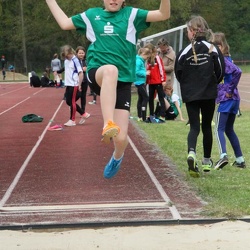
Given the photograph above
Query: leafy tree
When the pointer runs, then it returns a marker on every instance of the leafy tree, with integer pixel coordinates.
(43, 36)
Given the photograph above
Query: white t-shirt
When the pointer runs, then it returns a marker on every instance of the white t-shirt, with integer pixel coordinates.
(72, 70)
(175, 98)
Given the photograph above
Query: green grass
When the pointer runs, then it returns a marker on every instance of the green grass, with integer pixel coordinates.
(227, 191)
(244, 68)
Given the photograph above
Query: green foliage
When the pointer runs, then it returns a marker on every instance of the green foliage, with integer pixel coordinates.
(44, 37)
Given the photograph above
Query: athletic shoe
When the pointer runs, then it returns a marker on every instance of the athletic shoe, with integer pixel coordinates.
(93, 102)
(152, 119)
(207, 167)
(86, 115)
(112, 167)
(70, 123)
(192, 166)
(155, 119)
(110, 130)
(82, 120)
(239, 165)
(221, 163)
(139, 119)
(55, 127)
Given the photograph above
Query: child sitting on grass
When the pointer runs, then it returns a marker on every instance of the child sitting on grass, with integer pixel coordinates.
(172, 103)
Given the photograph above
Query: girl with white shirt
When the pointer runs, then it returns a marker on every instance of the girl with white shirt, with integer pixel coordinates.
(73, 78)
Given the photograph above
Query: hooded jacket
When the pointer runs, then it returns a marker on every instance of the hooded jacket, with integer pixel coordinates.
(230, 82)
(140, 71)
(198, 81)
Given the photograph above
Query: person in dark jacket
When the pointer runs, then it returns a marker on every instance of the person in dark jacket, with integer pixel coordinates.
(80, 54)
(45, 81)
(35, 80)
(199, 68)
(3, 62)
(228, 100)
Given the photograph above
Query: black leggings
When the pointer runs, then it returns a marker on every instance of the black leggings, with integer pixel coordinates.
(160, 92)
(206, 109)
(83, 95)
(72, 94)
(142, 101)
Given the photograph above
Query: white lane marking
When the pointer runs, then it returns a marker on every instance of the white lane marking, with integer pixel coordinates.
(244, 100)
(20, 102)
(13, 91)
(162, 192)
(24, 165)
(166, 204)
(14, 106)
(39, 91)
(132, 205)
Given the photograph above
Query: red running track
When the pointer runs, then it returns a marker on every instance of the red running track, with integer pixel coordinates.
(56, 177)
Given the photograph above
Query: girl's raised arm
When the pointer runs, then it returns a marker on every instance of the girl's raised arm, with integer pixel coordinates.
(62, 19)
(160, 15)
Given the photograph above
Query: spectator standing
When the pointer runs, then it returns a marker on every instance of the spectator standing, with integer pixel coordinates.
(4, 73)
(73, 79)
(3, 62)
(56, 66)
(113, 31)
(80, 53)
(93, 102)
(199, 68)
(156, 78)
(140, 82)
(167, 54)
(228, 100)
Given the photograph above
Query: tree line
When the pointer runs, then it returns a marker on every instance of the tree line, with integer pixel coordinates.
(30, 23)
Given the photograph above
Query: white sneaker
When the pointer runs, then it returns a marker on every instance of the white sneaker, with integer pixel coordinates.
(70, 123)
(82, 120)
(93, 102)
(86, 115)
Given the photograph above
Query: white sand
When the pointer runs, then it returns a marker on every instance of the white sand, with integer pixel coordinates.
(224, 236)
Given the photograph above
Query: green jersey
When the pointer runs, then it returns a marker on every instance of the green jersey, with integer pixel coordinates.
(113, 37)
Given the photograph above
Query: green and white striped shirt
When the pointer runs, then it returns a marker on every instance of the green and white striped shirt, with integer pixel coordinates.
(113, 37)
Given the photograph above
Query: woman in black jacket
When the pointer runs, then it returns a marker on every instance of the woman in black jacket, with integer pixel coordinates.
(199, 68)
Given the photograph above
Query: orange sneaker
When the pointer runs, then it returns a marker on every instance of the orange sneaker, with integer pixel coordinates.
(109, 131)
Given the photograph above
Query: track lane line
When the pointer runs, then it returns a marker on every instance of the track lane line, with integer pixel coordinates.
(244, 100)
(134, 205)
(13, 91)
(24, 165)
(20, 102)
(162, 192)
(15, 105)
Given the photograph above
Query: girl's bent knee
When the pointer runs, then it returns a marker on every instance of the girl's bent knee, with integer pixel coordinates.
(110, 70)
(121, 140)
